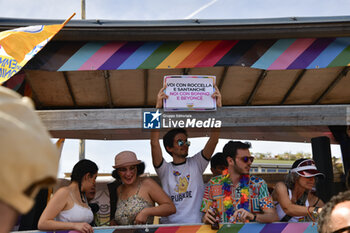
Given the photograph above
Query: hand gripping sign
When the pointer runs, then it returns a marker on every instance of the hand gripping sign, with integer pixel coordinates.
(189, 93)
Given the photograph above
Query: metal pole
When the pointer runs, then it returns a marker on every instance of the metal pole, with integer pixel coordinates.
(82, 141)
(82, 149)
(83, 9)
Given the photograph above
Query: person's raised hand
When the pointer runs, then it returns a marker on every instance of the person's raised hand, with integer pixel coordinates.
(160, 97)
(217, 95)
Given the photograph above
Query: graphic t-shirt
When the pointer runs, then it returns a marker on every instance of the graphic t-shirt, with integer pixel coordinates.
(184, 185)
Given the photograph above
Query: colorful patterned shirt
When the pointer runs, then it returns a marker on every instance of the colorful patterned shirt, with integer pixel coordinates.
(259, 200)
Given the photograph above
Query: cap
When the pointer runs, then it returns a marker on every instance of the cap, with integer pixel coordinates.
(306, 168)
(29, 160)
(125, 158)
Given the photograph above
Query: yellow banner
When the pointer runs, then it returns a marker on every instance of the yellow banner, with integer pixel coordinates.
(19, 45)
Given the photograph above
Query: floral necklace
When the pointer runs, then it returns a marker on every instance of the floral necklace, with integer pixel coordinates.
(244, 191)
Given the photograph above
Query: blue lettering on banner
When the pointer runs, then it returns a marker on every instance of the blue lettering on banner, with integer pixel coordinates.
(9, 63)
(4, 61)
(7, 73)
(35, 50)
(30, 29)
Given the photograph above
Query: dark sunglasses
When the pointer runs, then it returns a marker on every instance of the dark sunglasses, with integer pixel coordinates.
(247, 158)
(182, 142)
(342, 229)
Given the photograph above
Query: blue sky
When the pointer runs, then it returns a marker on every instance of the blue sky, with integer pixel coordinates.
(102, 152)
(172, 9)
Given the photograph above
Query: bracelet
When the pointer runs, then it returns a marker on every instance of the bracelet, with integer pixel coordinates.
(309, 213)
(254, 219)
(315, 212)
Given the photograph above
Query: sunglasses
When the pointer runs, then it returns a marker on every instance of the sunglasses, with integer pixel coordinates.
(182, 142)
(246, 159)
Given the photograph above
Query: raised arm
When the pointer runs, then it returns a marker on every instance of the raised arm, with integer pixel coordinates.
(215, 132)
(58, 202)
(157, 156)
(165, 206)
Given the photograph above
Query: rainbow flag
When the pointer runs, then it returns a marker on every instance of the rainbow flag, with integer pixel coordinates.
(19, 45)
(278, 227)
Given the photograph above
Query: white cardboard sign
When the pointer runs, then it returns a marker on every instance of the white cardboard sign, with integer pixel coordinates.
(189, 93)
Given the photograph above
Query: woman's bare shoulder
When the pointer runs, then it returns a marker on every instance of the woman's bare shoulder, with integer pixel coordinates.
(280, 185)
(64, 191)
(147, 181)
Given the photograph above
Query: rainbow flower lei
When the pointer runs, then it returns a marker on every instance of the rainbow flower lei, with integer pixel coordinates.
(244, 190)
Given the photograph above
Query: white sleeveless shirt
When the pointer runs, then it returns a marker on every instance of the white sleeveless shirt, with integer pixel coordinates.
(77, 213)
(281, 213)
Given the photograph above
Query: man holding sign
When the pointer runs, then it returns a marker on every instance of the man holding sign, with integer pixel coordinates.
(182, 179)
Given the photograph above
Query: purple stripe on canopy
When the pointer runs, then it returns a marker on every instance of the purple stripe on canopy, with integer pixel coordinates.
(311, 53)
(274, 228)
(120, 56)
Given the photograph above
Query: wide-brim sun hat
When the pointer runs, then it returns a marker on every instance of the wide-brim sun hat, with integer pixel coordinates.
(306, 168)
(125, 158)
(29, 160)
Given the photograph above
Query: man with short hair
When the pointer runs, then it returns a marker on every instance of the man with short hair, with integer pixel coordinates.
(239, 196)
(182, 179)
(334, 216)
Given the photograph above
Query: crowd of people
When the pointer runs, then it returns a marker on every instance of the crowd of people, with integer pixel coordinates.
(183, 197)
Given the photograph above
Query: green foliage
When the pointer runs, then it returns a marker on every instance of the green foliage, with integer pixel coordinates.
(284, 156)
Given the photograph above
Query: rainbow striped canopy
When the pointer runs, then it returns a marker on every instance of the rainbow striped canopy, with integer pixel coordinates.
(282, 54)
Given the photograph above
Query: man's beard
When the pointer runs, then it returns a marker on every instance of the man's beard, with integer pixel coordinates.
(239, 170)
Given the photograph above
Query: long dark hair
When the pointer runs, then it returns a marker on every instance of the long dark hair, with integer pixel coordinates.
(140, 170)
(80, 169)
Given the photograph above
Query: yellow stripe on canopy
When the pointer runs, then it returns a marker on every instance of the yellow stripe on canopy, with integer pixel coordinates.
(179, 54)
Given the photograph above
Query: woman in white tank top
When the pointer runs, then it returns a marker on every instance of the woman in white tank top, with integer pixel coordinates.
(68, 209)
(294, 200)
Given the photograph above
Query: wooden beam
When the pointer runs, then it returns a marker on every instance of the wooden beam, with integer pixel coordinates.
(256, 87)
(340, 76)
(69, 87)
(223, 77)
(106, 75)
(297, 80)
(35, 97)
(145, 78)
(109, 119)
